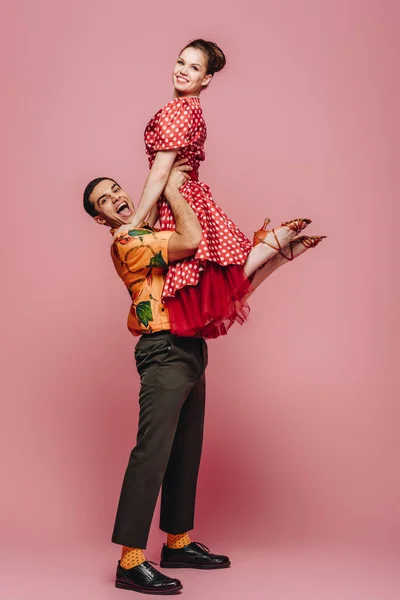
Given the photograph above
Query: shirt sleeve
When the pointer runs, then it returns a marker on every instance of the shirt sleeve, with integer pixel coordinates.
(136, 250)
(176, 126)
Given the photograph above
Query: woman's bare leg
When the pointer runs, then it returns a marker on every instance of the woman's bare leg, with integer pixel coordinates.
(275, 240)
(278, 260)
(265, 271)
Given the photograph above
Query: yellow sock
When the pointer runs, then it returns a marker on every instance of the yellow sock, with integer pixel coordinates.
(177, 541)
(131, 557)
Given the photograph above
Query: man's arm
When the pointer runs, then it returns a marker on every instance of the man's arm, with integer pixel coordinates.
(187, 235)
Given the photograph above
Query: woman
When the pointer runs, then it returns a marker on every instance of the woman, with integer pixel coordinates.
(207, 293)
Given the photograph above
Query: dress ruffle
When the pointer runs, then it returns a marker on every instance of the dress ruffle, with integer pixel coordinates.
(210, 308)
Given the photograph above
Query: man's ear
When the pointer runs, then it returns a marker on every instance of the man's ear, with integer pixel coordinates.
(100, 220)
(206, 80)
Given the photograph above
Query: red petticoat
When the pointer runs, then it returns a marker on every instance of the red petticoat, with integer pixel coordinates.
(209, 308)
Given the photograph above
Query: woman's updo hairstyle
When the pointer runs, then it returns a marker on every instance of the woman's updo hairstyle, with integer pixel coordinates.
(215, 57)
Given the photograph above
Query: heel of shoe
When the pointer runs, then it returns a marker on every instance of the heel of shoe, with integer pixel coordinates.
(260, 235)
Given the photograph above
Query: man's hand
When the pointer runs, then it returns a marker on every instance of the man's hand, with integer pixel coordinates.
(178, 176)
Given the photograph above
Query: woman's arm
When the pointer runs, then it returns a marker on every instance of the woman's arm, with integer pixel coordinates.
(155, 184)
(153, 216)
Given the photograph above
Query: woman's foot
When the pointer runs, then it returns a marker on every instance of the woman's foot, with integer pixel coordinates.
(297, 247)
(280, 237)
(268, 243)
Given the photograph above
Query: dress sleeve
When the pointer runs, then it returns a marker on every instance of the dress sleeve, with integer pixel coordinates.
(175, 128)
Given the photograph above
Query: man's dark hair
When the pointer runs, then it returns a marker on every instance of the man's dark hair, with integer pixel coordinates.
(87, 203)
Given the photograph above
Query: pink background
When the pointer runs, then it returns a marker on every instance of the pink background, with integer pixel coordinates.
(302, 433)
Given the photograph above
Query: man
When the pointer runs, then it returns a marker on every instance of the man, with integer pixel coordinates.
(172, 392)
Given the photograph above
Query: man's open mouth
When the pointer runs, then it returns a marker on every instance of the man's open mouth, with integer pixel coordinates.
(123, 209)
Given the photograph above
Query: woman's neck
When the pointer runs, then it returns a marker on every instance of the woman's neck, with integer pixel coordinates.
(183, 95)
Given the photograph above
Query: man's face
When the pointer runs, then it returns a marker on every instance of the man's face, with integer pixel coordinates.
(114, 207)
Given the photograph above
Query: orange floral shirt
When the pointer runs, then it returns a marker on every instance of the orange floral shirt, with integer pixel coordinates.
(140, 257)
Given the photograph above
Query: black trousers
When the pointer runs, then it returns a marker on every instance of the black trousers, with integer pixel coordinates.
(169, 438)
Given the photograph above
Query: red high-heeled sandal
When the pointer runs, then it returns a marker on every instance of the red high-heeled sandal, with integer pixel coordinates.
(308, 241)
(295, 225)
(261, 233)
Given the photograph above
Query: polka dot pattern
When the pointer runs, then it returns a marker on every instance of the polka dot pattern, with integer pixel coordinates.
(180, 125)
(178, 541)
(131, 557)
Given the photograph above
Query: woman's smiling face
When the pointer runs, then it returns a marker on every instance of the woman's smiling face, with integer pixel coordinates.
(190, 72)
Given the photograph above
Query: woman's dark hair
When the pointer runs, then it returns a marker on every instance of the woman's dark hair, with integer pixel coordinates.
(215, 57)
(87, 204)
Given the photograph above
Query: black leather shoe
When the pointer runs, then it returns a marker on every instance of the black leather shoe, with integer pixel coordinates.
(192, 556)
(146, 579)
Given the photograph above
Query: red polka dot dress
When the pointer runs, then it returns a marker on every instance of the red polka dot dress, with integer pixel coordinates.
(204, 294)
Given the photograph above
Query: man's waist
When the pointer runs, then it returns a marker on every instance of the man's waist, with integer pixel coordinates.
(166, 333)
(157, 333)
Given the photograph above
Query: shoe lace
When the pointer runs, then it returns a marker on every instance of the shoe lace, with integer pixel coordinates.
(202, 546)
(149, 566)
(152, 562)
